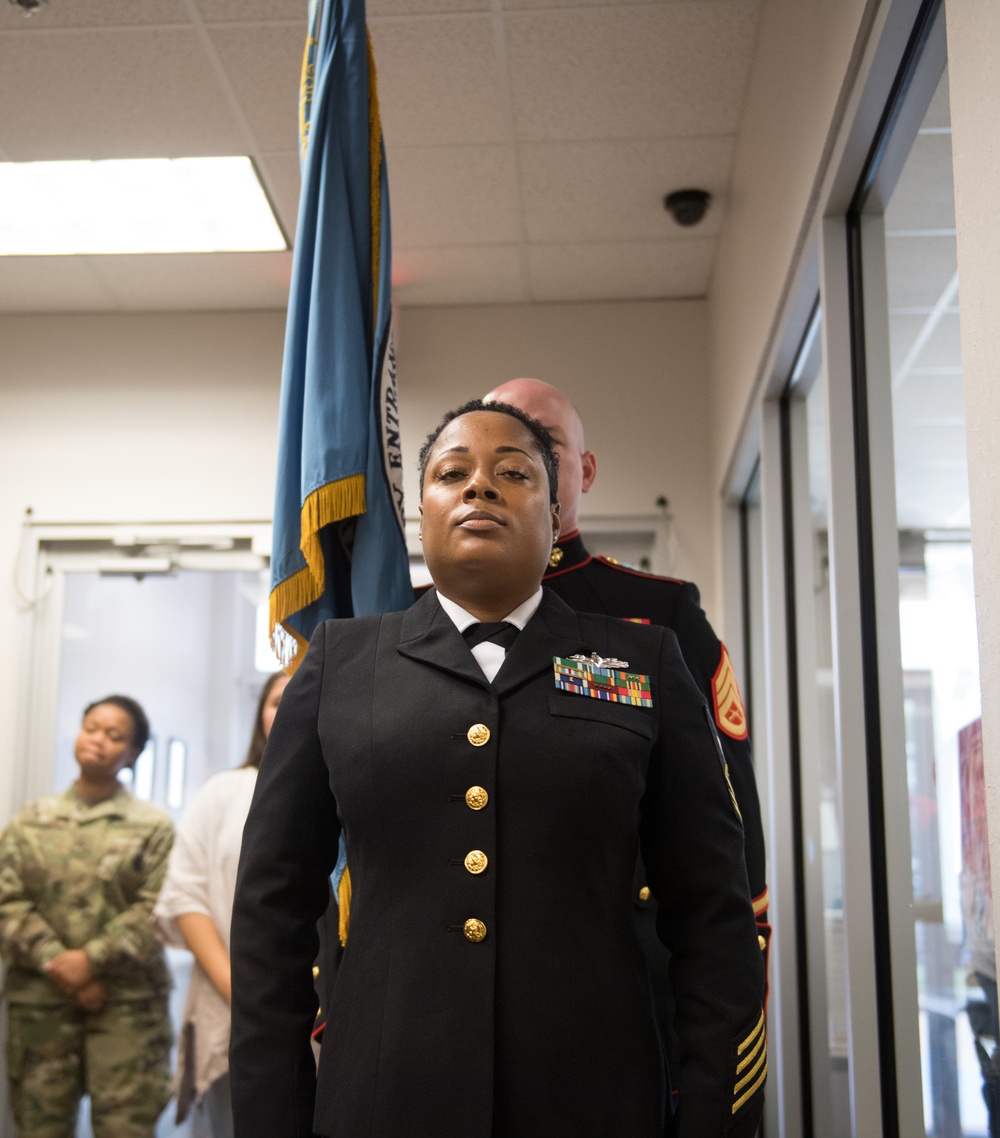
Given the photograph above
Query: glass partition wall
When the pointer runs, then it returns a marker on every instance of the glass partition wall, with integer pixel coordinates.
(910, 281)
(873, 622)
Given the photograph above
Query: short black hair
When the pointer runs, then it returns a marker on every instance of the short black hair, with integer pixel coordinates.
(133, 709)
(546, 447)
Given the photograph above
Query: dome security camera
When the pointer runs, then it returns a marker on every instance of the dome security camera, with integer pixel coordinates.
(687, 207)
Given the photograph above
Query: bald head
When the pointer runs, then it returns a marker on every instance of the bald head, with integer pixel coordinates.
(577, 465)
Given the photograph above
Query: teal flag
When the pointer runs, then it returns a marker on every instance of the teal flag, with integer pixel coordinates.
(338, 547)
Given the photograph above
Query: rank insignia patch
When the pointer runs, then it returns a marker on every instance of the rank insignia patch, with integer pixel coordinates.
(602, 681)
(729, 713)
(751, 1065)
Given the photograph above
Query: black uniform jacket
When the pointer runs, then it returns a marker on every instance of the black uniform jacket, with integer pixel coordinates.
(597, 584)
(514, 1001)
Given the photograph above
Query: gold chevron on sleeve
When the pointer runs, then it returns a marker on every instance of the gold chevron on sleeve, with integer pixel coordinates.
(751, 1070)
(751, 1091)
(758, 1027)
(760, 903)
(751, 1055)
(729, 711)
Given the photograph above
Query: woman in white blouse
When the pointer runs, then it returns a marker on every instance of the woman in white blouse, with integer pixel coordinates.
(194, 910)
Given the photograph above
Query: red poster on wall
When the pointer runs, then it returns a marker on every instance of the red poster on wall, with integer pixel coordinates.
(977, 897)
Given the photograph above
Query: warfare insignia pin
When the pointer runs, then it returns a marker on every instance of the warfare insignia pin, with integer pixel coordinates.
(599, 678)
(599, 661)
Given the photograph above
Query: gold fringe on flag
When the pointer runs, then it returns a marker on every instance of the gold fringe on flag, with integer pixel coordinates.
(375, 176)
(307, 84)
(331, 503)
(344, 903)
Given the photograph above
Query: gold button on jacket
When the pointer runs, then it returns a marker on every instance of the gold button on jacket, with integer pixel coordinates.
(476, 861)
(476, 798)
(478, 734)
(474, 930)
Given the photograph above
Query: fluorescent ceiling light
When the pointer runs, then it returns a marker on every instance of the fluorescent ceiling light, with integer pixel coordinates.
(142, 205)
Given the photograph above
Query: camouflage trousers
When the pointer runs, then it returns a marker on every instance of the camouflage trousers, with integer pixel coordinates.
(120, 1056)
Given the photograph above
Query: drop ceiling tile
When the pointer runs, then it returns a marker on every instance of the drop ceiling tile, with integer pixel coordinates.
(264, 66)
(662, 70)
(439, 82)
(452, 195)
(95, 13)
(537, 5)
(280, 173)
(621, 270)
(191, 281)
(424, 7)
(112, 94)
(254, 11)
(295, 11)
(613, 191)
(51, 284)
(151, 88)
(485, 274)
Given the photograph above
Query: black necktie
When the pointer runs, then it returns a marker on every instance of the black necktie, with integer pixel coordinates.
(499, 632)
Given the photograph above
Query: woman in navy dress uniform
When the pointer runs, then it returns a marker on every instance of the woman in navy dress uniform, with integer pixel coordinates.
(493, 797)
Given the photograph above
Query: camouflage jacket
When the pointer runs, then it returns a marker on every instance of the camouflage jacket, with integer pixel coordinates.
(79, 876)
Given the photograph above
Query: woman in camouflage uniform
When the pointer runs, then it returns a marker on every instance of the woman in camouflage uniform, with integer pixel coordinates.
(87, 983)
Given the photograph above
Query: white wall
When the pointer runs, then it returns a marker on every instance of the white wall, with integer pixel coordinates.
(172, 417)
(805, 52)
(151, 417)
(636, 372)
(129, 418)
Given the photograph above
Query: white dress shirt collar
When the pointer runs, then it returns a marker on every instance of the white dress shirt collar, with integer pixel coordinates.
(490, 656)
